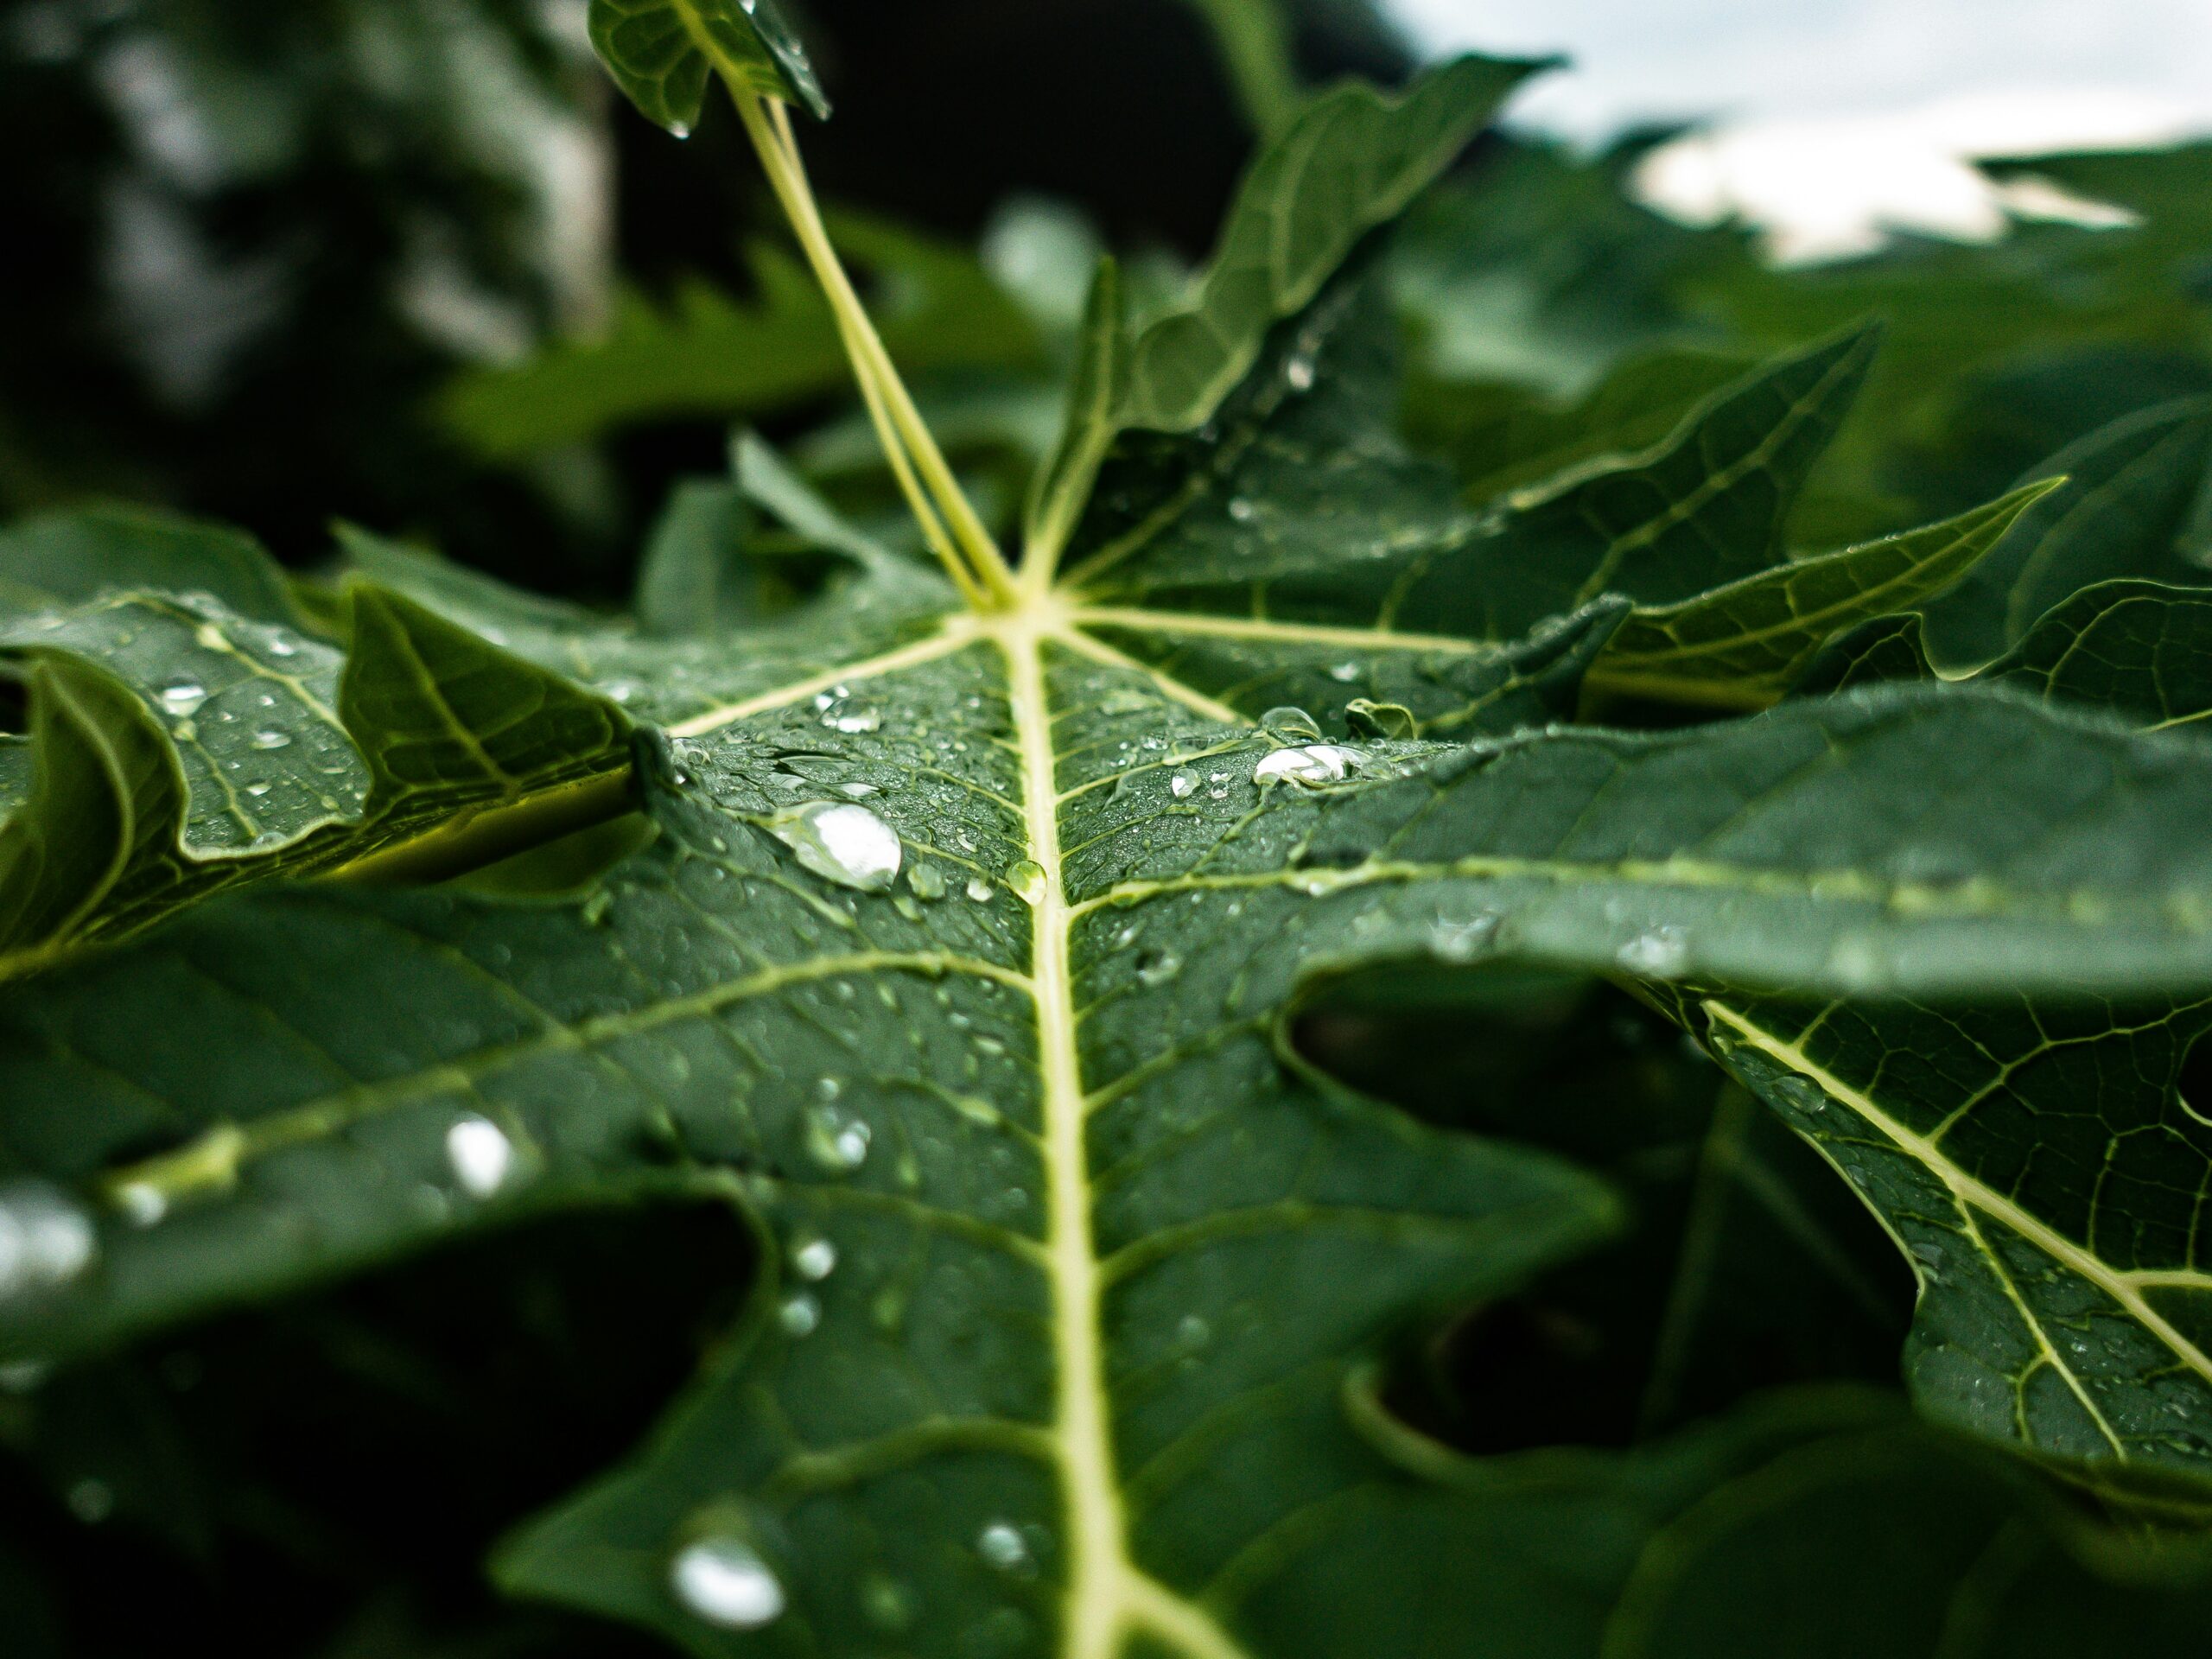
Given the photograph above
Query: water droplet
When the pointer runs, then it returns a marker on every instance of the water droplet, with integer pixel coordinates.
(281, 646)
(271, 738)
(46, 1240)
(843, 843)
(1158, 967)
(1193, 1331)
(837, 1142)
(481, 1155)
(1291, 721)
(1003, 1547)
(185, 731)
(726, 1583)
(142, 1202)
(1461, 941)
(1026, 880)
(980, 890)
(1317, 763)
(1181, 785)
(1240, 510)
(1344, 673)
(1658, 951)
(858, 791)
(814, 1258)
(1299, 372)
(927, 881)
(184, 697)
(799, 1315)
(854, 721)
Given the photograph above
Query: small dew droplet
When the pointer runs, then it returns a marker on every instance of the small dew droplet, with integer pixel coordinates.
(46, 1240)
(799, 1315)
(726, 1583)
(815, 1259)
(184, 697)
(481, 1155)
(1003, 1547)
(1659, 952)
(980, 891)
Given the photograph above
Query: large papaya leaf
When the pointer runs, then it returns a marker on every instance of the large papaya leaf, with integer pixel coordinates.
(964, 963)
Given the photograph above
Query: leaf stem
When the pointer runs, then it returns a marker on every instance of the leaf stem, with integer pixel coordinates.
(949, 522)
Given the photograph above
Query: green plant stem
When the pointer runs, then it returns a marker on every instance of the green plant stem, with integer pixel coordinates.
(1254, 47)
(956, 532)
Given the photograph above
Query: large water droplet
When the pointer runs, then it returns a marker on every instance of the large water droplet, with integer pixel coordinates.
(184, 697)
(1291, 721)
(843, 843)
(927, 881)
(1317, 763)
(1027, 881)
(979, 890)
(1181, 785)
(271, 738)
(46, 1240)
(481, 1155)
(725, 1582)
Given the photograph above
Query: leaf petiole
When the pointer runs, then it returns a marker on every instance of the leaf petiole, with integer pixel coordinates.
(948, 522)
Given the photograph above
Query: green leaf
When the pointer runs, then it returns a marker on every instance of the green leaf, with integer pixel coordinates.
(60, 559)
(181, 749)
(1742, 645)
(967, 957)
(662, 51)
(2131, 492)
(1352, 161)
(703, 351)
(2040, 1175)
(2140, 649)
(1306, 508)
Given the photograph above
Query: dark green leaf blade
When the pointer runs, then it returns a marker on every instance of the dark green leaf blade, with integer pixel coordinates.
(1742, 645)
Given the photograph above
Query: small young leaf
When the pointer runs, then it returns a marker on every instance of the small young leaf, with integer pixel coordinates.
(661, 53)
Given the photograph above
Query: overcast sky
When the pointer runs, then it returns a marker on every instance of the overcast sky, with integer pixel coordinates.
(1832, 118)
